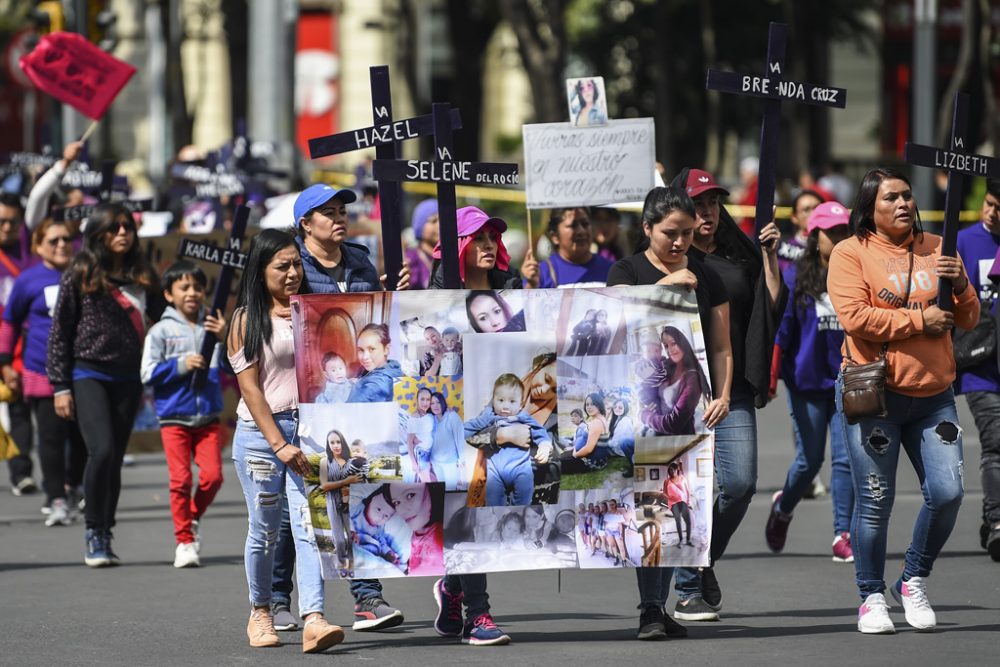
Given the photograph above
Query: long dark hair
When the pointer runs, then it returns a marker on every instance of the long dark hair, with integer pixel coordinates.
(92, 266)
(863, 214)
(690, 360)
(252, 319)
(661, 202)
(615, 418)
(810, 274)
(343, 445)
(597, 400)
(476, 293)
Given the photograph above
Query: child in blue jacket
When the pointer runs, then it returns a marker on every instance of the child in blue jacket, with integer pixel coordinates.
(189, 416)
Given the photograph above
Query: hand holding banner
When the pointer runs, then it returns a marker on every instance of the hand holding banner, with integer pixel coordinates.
(76, 72)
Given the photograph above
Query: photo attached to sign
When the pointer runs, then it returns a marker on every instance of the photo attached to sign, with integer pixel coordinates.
(596, 429)
(673, 509)
(432, 431)
(345, 351)
(432, 329)
(510, 420)
(591, 323)
(397, 529)
(588, 105)
(501, 539)
(606, 533)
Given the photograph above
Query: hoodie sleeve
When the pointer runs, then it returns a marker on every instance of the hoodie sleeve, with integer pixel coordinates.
(156, 369)
(41, 192)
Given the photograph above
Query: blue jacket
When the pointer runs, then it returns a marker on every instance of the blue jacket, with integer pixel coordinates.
(359, 272)
(167, 343)
(376, 386)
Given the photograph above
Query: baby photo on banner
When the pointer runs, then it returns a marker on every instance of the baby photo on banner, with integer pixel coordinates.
(477, 431)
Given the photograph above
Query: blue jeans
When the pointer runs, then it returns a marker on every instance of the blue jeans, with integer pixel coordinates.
(266, 488)
(811, 417)
(736, 477)
(473, 586)
(927, 429)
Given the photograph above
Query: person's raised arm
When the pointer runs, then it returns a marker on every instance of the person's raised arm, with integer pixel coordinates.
(41, 192)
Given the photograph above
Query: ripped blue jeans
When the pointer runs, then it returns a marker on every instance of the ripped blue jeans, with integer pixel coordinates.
(927, 430)
(266, 486)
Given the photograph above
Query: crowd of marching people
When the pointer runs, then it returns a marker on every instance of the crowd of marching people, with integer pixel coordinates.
(87, 322)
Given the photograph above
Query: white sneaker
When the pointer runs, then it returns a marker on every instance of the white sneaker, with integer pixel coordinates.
(186, 556)
(873, 616)
(912, 595)
(58, 514)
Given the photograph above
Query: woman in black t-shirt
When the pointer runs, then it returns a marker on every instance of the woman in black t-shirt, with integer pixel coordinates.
(668, 221)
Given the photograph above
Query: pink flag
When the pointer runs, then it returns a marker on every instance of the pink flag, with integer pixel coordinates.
(74, 71)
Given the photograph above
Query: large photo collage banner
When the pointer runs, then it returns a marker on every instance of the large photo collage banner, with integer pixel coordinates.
(462, 431)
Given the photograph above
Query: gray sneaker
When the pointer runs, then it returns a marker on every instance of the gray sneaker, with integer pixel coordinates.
(374, 614)
(283, 619)
(694, 609)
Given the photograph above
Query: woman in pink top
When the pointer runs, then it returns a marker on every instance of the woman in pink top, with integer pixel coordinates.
(423, 513)
(269, 463)
(679, 501)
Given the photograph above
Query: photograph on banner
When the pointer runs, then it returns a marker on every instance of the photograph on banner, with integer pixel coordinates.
(501, 539)
(674, 508)
(432, 433)
(670, 374)
(397, 529)
(588, 105)
(567, 166)
(506, 394)
(432, 324)
(596, 431)
(344, 352)
(590, 323)
(606, 534)
(495, 311)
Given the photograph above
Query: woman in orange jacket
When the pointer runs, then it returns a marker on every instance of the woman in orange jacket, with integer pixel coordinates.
(883, 283)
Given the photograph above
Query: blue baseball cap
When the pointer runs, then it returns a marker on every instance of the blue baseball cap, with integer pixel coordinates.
(316, 195)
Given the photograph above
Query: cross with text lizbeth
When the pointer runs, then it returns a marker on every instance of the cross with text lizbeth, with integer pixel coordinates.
(959, 164)
(231, 260)
(385, 136)
(446, 172)
(773, 88)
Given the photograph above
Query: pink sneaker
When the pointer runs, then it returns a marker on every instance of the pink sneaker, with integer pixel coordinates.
(776, 530)
(842, 552)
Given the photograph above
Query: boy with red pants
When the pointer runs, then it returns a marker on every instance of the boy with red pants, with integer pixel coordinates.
(189, 416)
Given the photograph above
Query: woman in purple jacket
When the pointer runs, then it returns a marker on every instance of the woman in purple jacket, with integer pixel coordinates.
(674, 387)
(809, 342)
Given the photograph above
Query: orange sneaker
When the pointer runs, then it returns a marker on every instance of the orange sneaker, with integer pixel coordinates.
(260, 629)
(319, 635)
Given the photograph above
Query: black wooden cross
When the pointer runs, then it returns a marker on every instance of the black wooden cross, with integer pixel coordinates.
(108, 190)
(230, 259)
(385, 135)
(773, 88)
(446, 172)
(959, 164)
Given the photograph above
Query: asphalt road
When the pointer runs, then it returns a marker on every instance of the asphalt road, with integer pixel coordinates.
(797, 608)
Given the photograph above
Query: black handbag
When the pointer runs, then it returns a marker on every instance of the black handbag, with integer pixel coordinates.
(863, 393)
(978, 346)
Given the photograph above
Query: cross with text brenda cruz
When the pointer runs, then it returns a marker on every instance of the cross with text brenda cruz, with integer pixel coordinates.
(446, 172)
(385, 136)
(773, 89)
(959, 164)
(231, 260)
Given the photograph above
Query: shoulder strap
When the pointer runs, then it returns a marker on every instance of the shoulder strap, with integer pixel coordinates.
(906, 305)
(13, 268)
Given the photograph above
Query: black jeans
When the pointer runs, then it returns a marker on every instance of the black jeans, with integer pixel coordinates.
(682, 511)
(23, 436)
(105, 413)
(477, 601)
(985, 407)
(61, 451)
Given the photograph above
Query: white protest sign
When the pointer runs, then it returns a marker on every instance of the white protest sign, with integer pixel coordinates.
(588, 166)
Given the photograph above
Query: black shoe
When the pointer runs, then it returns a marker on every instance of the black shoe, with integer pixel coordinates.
(984, 533)
(993, 542)
(674, 629)
(710, 591)
(651, 623)
(695, 609)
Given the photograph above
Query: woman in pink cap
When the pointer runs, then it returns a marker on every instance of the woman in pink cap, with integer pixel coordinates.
(483, 260)
(808, 343)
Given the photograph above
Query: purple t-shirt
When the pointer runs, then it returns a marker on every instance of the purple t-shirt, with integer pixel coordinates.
(29, 309)
(593, 273)
(978, 249)
(789, 251)
(420, 268)
(21, 257)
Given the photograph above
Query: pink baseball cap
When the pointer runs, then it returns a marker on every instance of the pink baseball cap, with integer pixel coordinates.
(828, 215)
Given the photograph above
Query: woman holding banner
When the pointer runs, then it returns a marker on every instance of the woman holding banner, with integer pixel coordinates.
(911, 333)
(668, 223)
